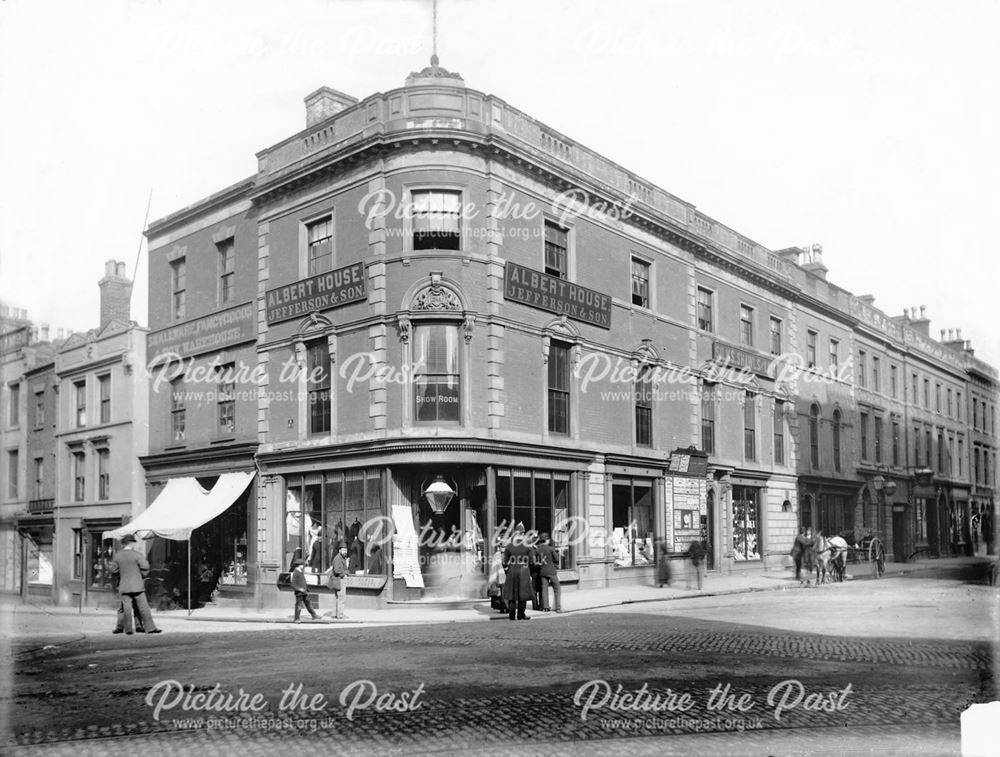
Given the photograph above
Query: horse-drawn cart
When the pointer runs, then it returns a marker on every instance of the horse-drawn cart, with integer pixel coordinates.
(869, 549)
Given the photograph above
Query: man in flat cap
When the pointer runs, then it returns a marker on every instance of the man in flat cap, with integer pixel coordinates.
(301, 588)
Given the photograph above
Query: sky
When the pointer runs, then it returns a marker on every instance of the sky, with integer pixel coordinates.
(868, 126)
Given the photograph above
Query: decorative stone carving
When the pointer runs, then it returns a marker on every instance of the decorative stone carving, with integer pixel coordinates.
(404, 328)
(436, 297)
(468, 325)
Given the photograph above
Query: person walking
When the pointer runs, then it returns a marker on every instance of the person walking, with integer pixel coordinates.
(131, 569)
(547, 558)
(335, 580)
(301, 588)
(696, 551)
(517, 587)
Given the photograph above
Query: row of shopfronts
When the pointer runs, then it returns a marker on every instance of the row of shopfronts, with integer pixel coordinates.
(611, 519)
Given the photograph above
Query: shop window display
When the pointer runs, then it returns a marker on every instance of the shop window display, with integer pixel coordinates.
(746, 517)
(540, 500)
(632, 521)
(101, 554)
(325, 510)
(39, 567)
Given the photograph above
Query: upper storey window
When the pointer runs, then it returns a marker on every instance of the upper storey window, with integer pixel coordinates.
(178, 288)
(437, 219)
(319, 242)
(556, 247)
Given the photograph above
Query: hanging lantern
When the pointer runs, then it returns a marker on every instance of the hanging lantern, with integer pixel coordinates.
(439, 495)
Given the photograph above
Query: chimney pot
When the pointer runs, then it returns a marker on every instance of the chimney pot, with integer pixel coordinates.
(326, 102)
(958, 334)
(942, 335)
(923, 309)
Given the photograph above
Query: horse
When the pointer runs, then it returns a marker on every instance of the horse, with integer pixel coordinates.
(830, 556)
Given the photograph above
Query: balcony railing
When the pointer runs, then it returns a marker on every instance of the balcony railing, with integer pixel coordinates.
(40, 505)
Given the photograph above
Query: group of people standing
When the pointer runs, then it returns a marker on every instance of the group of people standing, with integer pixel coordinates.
(524, 570)
(804, 550)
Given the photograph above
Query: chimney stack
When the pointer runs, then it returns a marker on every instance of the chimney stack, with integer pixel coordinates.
(116, 292)
(922, 324)
(326, 102)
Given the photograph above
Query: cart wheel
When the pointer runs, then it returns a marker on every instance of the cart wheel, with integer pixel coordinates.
(876, 558)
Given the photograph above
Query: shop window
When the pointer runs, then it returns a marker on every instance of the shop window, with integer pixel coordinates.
(632, 521)
(318, 381)
(644, 407)
(323, 511)
(558, 388)
(746, 519)
(437, 395)
(39, 549)
(437, 220)
(556, 250)
(101, 553)
(540, 500)
(77, 554)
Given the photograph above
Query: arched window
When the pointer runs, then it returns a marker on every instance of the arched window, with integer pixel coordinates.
(836, 440)
(814, 435)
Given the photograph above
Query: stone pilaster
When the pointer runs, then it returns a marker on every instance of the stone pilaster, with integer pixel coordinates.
(263, 276)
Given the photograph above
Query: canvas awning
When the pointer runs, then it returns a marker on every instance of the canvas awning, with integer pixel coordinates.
(183, 506)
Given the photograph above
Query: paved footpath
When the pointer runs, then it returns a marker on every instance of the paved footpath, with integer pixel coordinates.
(24, 622)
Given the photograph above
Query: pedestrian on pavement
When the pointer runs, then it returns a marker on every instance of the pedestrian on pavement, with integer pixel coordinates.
(120, 615)
(547, 558)
(131, 568)
(497, 579)
(799, 547)
(517, 559)
(335, 580)
(696, 551)
(809, 554)
(663, 574)
(301, 590)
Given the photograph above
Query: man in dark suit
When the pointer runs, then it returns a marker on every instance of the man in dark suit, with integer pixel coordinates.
(548, 572)
(131, 568)
(517, 560)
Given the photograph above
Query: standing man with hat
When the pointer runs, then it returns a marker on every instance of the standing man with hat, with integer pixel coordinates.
(131, 568)
(548, 572)
(335, 581)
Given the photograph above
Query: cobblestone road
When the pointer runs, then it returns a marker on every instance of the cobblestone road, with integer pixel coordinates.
(494, 686)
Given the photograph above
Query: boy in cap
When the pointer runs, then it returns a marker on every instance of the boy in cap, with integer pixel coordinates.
(301, 590)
